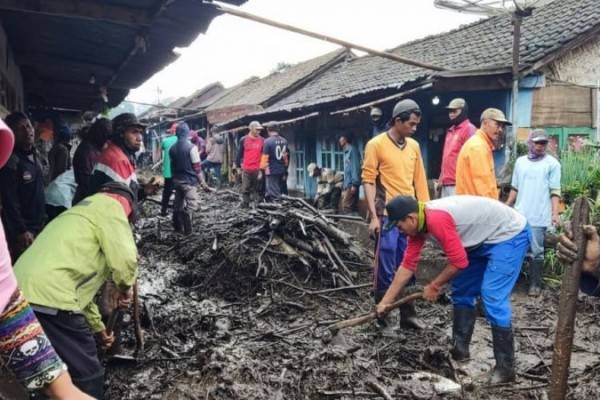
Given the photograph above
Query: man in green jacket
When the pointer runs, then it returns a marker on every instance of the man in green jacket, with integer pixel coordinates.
(61, 277)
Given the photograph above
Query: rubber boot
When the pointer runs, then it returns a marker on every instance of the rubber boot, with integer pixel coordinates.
(387, 325)
(536, 269)
(462, 331)
(187, 222)
(504, 353)
(177, 221)
(408, 317)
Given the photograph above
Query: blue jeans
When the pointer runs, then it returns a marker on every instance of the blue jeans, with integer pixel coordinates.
(389, 252)
(492, 273)
(536, 247)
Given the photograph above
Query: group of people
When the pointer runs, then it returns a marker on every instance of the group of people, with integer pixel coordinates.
(260, 158)
(49, 322)
(486, 240)
(50, 292)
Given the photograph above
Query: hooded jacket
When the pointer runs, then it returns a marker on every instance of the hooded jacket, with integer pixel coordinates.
(96, 243)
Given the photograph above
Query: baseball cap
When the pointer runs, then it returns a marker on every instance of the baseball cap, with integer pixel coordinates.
(456, 104)
(539, 135)
(398, 208)
(405, 106)
(376, 112)
(496, 115)
(255, 125)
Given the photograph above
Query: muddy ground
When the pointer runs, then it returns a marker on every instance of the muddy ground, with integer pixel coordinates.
(215, 331)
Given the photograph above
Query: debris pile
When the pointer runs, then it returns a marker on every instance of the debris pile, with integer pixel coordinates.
(237, 310)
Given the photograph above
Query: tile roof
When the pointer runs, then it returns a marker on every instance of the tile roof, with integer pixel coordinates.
(256, 91)
(483, 44)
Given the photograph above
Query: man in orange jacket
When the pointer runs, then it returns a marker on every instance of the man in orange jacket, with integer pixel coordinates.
(475, 173)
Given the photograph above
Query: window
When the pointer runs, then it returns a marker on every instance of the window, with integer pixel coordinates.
(332, 156)
(300, 168)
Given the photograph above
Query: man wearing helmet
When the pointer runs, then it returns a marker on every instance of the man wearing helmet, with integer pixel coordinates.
(393, 166)
(117, 160)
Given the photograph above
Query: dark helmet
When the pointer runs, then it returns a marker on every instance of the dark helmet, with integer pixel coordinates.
(121, 122)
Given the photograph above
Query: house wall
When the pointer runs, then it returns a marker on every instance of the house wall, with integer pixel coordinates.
(580, 66)
(11, 82)
(568, 106)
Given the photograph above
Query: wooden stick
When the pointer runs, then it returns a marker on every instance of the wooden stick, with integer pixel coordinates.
(320, 36)
(139, 333)
(363, 319)
(377, 388)
(563, 342)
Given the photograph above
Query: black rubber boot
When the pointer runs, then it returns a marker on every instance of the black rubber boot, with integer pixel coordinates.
(187, 222)
(177, 221)
(536, 271)
(408, 317)
(462, 331)
(504, 353)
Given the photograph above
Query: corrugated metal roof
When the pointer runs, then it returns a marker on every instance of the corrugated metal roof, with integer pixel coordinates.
(58, 54)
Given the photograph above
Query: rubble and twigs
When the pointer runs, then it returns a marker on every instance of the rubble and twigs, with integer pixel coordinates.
(215, 329)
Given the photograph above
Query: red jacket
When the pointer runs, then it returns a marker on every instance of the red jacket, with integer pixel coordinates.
(456, 136)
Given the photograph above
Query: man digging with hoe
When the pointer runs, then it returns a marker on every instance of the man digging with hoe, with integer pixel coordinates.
(485, 242)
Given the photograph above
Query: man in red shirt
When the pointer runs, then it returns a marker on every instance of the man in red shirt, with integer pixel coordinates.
(460, 130)
(248, 157)
(486, 242)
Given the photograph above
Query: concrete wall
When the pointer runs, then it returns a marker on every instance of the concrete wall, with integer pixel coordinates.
(11, 83)
(579, 66)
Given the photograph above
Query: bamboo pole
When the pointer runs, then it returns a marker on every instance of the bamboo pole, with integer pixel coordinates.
(563, 342)
(320, 36)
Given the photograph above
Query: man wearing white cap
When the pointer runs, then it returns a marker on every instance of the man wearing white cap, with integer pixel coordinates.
(378, 123)
(248, 158)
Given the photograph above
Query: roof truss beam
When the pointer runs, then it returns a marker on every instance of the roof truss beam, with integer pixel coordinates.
(88, 9)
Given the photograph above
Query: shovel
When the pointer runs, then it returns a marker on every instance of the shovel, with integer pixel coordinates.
(116, 318)
(333, 330)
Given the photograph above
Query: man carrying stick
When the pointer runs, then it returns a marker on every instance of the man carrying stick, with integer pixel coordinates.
(485, 242)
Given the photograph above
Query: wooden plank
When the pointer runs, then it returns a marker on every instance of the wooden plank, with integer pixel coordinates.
(562, 105)
(567, 305)
(90, 9)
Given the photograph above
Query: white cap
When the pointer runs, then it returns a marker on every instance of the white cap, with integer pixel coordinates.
(255, 125)
(375, 111)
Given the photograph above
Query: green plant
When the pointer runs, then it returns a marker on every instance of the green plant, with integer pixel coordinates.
(580, 173)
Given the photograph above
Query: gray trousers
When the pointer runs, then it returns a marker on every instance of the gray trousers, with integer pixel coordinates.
(448, 191)
(186, 197)
(250, 186)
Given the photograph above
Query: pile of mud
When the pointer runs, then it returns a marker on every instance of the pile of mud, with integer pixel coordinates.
(214, 330)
